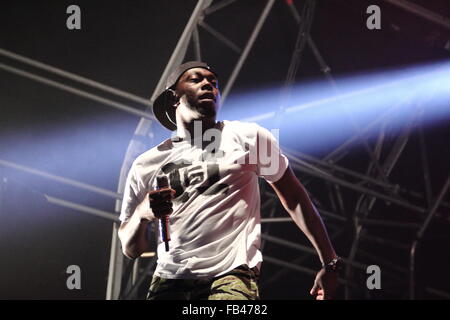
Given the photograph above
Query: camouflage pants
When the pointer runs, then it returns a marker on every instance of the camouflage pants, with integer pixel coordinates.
(238, 284)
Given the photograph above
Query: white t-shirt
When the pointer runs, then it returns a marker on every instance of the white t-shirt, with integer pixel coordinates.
(215, 224)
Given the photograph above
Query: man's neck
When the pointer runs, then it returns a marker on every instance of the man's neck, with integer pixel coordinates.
(194, 129)
(194, 133)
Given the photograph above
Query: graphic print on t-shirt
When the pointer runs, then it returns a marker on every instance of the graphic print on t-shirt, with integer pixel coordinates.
(186, 178)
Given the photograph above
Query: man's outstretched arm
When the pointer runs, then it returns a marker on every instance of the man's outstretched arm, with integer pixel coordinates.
(297, 203)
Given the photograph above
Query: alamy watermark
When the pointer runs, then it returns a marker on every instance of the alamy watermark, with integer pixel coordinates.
(73, 22)
(374, 20)
(263, 150)
(374, 280)
(74, 280)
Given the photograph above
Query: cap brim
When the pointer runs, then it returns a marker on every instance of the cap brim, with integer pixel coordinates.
(164, 112)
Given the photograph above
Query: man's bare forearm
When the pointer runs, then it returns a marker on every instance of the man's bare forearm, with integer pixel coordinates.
(297, 203)
(308, 220)
(133, 233)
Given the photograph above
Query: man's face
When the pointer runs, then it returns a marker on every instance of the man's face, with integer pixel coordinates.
(199, 89)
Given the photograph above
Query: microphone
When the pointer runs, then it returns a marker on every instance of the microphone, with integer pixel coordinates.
(163, 182)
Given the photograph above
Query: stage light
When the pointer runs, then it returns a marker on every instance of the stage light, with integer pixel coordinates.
(317, 117)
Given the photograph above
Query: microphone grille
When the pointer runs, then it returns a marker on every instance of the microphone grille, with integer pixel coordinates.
(162, 182)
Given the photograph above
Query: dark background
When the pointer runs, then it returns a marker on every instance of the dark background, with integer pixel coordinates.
(126, 45)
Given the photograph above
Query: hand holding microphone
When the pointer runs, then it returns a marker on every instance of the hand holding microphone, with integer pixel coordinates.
(161, 204)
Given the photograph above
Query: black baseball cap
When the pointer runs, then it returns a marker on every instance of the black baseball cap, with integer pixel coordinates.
(163, 105)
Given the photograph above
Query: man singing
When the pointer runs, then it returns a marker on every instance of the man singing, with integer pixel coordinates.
(213, 201)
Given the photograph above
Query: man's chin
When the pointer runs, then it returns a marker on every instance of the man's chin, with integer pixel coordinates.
(207, 109)
(208, 114)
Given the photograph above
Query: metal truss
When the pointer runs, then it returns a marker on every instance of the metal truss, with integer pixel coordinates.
(348, 200)
(422, 12)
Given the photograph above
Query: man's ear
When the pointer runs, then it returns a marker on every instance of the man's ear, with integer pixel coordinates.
(174, 99)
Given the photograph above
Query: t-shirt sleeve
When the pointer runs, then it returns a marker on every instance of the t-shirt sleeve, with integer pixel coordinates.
(131, 195)
(271, 162)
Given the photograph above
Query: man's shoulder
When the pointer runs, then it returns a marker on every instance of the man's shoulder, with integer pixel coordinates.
(155, 154)
(241, 126)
